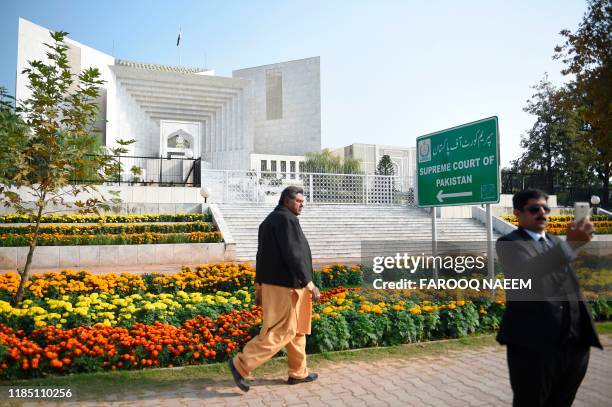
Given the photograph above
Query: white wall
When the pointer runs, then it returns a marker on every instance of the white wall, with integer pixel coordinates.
(137, 199)
(30, 46)
(299, 130)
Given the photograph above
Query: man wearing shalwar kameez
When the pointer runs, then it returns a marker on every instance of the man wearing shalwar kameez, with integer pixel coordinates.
(285, 290)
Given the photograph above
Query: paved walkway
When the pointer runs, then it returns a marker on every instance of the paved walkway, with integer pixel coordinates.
(474, 376)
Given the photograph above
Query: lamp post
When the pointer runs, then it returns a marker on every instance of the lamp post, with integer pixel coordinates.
(205, 192)
(595, 201)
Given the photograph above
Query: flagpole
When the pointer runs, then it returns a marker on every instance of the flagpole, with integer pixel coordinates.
(178, 44)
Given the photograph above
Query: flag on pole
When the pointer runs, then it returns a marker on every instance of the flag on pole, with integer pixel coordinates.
(178, 40)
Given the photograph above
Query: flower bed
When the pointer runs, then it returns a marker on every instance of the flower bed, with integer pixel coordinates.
(89, 349)
(179, 217)
(557, 225)
(15, 240)
(97, 229)
(75, 322)
(208, 278)
(110, 230)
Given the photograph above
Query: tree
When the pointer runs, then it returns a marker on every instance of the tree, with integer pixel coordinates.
(555, 147)
(588, 55)
(326, 162)
(383, 188)
(48, 140)
(333, 188)
(385, 166)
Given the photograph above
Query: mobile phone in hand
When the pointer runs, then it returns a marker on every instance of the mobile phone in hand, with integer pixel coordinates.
(581, 211)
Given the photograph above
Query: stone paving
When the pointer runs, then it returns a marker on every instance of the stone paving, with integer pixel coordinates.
(474, 376)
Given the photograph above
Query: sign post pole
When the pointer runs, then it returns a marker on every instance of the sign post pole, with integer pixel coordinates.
(489, 225)
(434, 240)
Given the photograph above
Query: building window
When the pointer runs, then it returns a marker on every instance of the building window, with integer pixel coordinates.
(301, 166)
(283, 166)
(273, 165)
(292, 168)
(264, 165)
(274, 94)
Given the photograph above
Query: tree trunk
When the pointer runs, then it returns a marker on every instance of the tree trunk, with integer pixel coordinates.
(25, 274)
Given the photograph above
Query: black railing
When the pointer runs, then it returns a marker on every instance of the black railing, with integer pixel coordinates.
(567, 195)
(160, 171)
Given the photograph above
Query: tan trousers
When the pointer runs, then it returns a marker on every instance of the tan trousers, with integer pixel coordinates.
(286, 320)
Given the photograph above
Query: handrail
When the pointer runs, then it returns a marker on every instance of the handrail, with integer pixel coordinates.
(602, 211)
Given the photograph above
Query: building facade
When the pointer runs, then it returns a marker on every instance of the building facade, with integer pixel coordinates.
(191, 112)
(403, 158)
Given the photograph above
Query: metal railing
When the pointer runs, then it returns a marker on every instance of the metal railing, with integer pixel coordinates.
(160, 171)
(554, 184)
(266, 186)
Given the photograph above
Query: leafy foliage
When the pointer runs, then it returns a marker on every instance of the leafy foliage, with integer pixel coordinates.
(557, 143)
(571, 136)
(587, 52)
(385, 166)
(326, 162)
(49, 139)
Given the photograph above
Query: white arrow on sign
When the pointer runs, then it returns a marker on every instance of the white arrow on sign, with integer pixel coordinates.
(440, 195)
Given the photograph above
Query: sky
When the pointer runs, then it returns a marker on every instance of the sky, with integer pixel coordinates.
(390, 70)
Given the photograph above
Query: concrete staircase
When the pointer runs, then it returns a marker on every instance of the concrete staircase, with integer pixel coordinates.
(336, 233)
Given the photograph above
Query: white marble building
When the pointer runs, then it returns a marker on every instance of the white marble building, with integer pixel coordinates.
(271, 110)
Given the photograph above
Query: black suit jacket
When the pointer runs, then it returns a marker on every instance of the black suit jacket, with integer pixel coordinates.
(538, 320)
(283, 253)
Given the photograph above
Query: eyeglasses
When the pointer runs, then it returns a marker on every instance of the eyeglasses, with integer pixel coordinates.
(536, 208)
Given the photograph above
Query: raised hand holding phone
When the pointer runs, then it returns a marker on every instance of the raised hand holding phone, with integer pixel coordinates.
(581, 231)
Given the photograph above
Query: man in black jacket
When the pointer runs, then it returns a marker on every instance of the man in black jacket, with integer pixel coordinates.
(548, 330)
(284, 288)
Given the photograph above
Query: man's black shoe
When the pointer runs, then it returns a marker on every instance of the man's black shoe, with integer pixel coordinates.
(238, 379)
(310, 378)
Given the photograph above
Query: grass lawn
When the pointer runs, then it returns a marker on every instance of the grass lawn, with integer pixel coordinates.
(89, 386)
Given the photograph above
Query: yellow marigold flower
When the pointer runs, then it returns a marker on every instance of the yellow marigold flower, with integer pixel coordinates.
(327, 310)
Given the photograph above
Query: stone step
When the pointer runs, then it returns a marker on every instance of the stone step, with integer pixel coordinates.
(357, 246)
(387, 223)
(348, 231)
(337, 231)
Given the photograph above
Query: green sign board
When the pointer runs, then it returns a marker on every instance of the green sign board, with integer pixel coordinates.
(459, 166)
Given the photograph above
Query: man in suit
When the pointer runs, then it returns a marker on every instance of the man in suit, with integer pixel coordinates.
(549, 330)
(284, 288)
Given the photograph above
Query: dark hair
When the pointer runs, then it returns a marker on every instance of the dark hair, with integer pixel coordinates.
(289, 193)
(519, 200)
